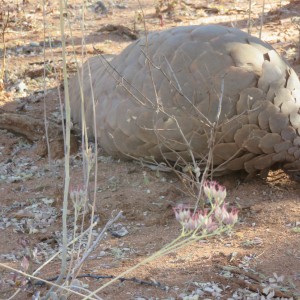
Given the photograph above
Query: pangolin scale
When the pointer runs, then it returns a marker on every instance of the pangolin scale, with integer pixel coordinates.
(165, 94)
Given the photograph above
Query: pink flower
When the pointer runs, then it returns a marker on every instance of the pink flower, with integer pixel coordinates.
(200, 220)
(214, 191)
(207, 187)
(182, 213)
(192, 223)
(194, 220)
(232, 217)
(209, 225)
(202, 216)
(223, 216)
(221, 213)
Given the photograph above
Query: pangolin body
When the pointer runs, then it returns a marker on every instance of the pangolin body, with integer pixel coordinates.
(166, 94)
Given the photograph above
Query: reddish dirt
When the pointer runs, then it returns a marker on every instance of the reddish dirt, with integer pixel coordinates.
(266, 239)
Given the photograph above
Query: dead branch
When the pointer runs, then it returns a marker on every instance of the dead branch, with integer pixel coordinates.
(33, 129)
(121, 30)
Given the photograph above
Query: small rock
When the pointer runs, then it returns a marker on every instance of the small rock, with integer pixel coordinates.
(120, 232)
(34, 44)
(102, 253)
(20, 86)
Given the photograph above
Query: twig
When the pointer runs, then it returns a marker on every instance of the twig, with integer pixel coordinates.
(67, 151)
(262, 19)
(121, 279)
(44, 280)
(249, 17)
(44, 87)
(120, 29)
(52, 258)
(96, 242)
(67, 140)
(254, 287)
(180, 242)
(244, 273)
(5, 25)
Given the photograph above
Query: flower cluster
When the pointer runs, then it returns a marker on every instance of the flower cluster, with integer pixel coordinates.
(191, 221)
(206, 220)
(223, 216)
(214, 192)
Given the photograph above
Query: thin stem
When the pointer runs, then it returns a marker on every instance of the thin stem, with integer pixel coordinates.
(67, 154)
(5, 25)
(249, 17)
(262, 19)
(43, 280)
(44, 85)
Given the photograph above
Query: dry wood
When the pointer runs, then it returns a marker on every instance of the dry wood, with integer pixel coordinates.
(34, 130)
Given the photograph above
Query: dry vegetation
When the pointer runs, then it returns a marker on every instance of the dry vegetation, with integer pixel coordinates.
(257, 259)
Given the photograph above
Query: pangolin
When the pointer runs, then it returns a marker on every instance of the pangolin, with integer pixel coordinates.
(175, 94)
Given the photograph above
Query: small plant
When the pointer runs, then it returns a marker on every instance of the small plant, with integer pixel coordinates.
(207, 220)
(19, 280)
(80, 201)
(196, 224)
